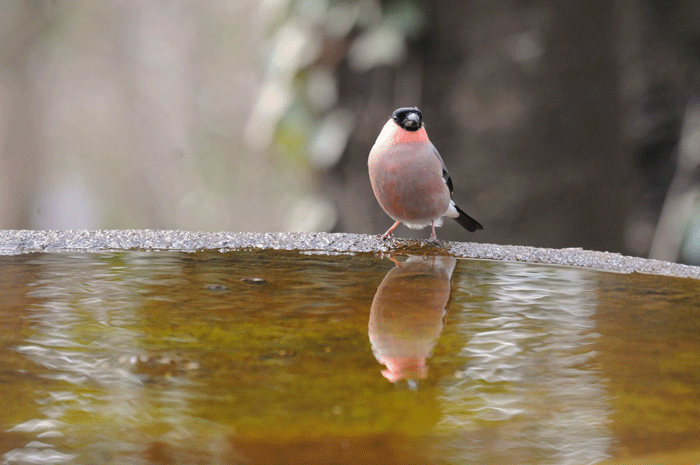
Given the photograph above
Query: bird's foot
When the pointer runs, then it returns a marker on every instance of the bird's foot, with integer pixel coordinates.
(433, 236)
(387, 234)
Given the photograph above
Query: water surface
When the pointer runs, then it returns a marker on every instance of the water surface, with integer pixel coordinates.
(289, 357)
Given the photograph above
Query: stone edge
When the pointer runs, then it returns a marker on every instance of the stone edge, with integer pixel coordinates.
(15, 242)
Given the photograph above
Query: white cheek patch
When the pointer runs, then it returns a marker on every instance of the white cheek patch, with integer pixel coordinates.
(387, 133)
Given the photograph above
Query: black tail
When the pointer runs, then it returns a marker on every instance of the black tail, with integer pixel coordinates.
(467, 222)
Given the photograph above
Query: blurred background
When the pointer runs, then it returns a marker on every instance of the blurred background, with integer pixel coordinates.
(563, 124)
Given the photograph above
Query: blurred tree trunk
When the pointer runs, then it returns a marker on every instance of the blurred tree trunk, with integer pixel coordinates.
(19, 138)
(574, 136)
(660, 52)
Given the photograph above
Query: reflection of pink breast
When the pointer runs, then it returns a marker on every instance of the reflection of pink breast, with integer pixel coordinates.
(398, 368)
(406, 316)
(407, 323)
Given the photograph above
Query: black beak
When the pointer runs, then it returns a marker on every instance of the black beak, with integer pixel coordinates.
(412, 121)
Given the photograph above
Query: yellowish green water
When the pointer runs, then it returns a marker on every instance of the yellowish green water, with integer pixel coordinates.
(295, 358)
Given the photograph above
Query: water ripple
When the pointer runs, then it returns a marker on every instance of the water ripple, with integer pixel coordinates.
(528, 367)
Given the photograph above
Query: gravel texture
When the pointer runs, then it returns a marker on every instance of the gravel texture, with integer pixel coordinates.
(14, 242)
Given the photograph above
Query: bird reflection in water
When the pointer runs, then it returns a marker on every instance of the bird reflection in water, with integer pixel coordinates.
(407, 313)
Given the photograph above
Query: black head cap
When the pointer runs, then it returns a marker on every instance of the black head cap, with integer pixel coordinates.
(409, 118)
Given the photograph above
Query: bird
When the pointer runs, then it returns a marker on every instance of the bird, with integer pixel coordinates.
(409, 178)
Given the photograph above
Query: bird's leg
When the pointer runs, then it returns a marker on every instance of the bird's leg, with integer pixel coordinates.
(433, 236)
(388, 233)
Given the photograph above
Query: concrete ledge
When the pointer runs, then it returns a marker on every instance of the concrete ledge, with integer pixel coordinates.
(14, 242)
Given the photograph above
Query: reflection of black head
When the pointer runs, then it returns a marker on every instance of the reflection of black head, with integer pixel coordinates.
(409, 118)
(406, 316)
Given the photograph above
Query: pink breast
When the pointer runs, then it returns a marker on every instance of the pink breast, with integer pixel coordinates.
(407, 181)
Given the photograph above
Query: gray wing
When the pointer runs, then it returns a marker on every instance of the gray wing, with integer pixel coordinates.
(445, 174)
(467, 222)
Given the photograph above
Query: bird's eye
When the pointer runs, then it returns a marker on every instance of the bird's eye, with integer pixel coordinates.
(395, 118)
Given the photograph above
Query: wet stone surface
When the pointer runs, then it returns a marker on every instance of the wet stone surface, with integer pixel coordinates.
(16, 242)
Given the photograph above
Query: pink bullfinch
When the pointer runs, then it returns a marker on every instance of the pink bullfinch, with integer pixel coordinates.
(409, 177)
